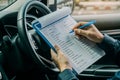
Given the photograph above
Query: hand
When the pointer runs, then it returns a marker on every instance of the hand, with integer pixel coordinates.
(60, 60)
(91, 32)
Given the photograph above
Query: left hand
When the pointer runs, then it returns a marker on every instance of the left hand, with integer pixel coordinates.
(60, 59)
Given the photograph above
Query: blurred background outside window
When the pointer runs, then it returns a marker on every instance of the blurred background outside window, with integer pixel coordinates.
(86, 7)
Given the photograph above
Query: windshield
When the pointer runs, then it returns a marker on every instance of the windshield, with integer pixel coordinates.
(5, 3)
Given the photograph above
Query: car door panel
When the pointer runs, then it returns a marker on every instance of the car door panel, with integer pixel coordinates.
(103, 21)
(113, 33)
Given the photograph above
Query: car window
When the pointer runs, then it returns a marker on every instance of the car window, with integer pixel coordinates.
(65, 3)
(86, 7)
(5, 3)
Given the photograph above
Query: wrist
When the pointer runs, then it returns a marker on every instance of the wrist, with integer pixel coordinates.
(100, 38)
(65, 67)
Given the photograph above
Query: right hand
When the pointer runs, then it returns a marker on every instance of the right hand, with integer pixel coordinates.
(91, 32)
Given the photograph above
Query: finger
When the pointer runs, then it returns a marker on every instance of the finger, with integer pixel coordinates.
(78, 36)
(59, 52)
(81, 32)
(79, 24)
(57, 48)
(54, 55)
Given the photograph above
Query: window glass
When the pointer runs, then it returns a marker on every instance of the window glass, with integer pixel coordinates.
(5, 3)
(91, 6)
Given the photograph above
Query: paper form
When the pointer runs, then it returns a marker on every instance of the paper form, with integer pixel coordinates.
(81, 52)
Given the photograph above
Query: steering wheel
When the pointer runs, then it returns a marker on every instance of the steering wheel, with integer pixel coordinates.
(33, 44)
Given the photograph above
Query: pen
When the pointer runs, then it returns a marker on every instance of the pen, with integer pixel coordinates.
(85, 25)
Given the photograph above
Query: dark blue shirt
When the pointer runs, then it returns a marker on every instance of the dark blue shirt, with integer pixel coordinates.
(109, 45)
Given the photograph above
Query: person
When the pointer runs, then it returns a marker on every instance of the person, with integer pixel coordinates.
(105, 42)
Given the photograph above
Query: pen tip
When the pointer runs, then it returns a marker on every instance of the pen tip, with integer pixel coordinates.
(71, 31)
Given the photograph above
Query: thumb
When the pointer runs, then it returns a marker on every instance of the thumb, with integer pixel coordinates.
(54, 55)
(81, 32)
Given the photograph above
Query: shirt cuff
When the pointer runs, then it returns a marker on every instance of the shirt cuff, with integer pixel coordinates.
(67, 74)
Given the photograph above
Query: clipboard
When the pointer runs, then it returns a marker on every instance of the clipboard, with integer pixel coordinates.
(54, 29)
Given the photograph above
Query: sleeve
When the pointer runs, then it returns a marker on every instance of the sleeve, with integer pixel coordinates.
(67, 74)
(110, 45)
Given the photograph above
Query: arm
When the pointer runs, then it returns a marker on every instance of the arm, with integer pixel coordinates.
(110, 45)
(107, 43)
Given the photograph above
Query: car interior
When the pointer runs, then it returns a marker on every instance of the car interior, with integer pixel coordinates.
(25, 56)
